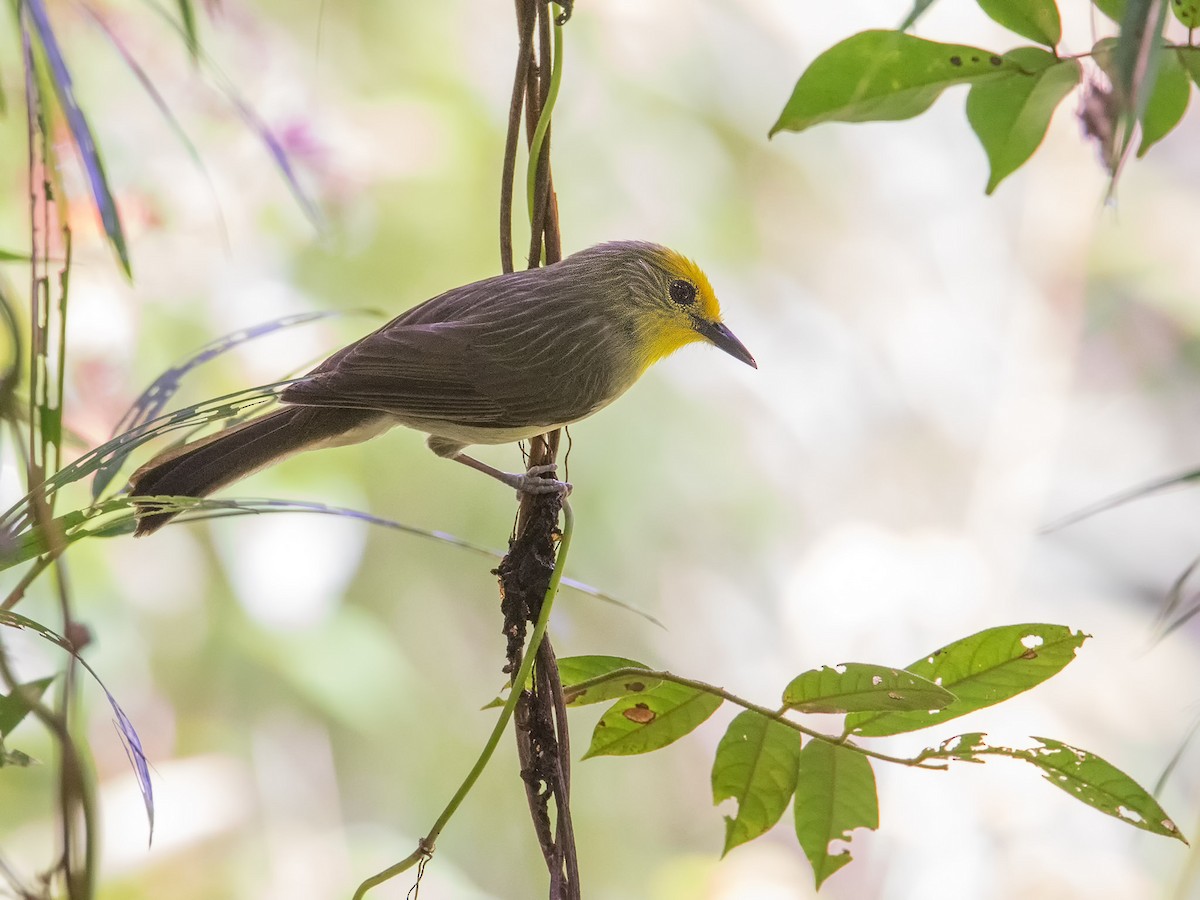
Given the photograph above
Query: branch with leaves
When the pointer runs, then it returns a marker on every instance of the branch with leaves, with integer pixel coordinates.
(1140, 84)
(767, 759)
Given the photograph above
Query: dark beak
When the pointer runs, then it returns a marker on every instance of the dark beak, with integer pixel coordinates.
(719, 336)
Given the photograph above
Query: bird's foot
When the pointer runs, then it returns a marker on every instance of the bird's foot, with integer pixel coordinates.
(533, 482)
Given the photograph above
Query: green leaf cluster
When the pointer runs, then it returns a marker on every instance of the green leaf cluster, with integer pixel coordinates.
(883, 75)
(766, 759)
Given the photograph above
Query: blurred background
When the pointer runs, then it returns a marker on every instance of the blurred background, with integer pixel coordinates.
(941, 374)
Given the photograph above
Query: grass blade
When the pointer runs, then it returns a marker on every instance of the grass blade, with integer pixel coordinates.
(81, 131)
(151, 402)
(187, 19)
(227, 88)
(165, 111)
(129, 737)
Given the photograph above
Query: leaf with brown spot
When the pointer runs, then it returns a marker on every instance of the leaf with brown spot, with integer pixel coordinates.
(660, 716)
(574, 670)
(882, 76)
(639, 714)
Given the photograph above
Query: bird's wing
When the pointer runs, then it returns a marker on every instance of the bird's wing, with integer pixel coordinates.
(506, 371)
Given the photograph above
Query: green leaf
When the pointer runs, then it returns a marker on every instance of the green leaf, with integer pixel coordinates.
(980, 670)
(857, 687)
(918, 9)
(1187, 12)
(756, 766)
(835, 794)
(15, 758)
(188, 17)
(1101, 785)
(1189, 57)
(881, 75)
(651, 720)
(1035, 19)
(1138, 54)
(1083, 775)
(1010, 114)
(1114, 9)
(15, 706)
(573, 670)
(1167, 103)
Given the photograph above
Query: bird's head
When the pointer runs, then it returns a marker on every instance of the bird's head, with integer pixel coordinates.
(670, 302)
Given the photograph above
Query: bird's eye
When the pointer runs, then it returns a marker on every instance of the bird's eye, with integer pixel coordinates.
(683, 292)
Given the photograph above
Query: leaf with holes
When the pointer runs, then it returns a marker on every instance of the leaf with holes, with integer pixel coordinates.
(1037, 20)
(882, 75)
(1100, 785)
(651, 720)
(756, 766)
(980, 670)
(1010, 114)
(1083, 775)
(573, 670)
(835, 794)
(859, 687)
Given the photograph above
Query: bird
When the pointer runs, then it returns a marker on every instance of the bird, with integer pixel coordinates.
(492, 362)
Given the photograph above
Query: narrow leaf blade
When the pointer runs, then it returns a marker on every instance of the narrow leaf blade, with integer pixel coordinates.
(756, 765)
(81, 131)
(858, 687)
(650, 721)
(835, 794)
(129, 736)
(187, 17)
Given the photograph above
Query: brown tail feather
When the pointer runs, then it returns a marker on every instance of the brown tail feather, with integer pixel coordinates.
(199, 468)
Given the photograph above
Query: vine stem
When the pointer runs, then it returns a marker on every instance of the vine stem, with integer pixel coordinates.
(774, 714)
(425, 846)
(543, 124)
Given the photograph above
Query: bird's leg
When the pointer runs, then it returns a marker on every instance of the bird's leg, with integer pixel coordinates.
(531, 482)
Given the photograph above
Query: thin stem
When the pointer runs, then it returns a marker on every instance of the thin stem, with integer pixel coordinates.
(777, 715)
(525, 24)
(539, 133)
(425, 847)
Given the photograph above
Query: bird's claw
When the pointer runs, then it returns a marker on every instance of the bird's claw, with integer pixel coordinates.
(532, 481)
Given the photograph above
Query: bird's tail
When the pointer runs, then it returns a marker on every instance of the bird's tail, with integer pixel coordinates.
(199, 468)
